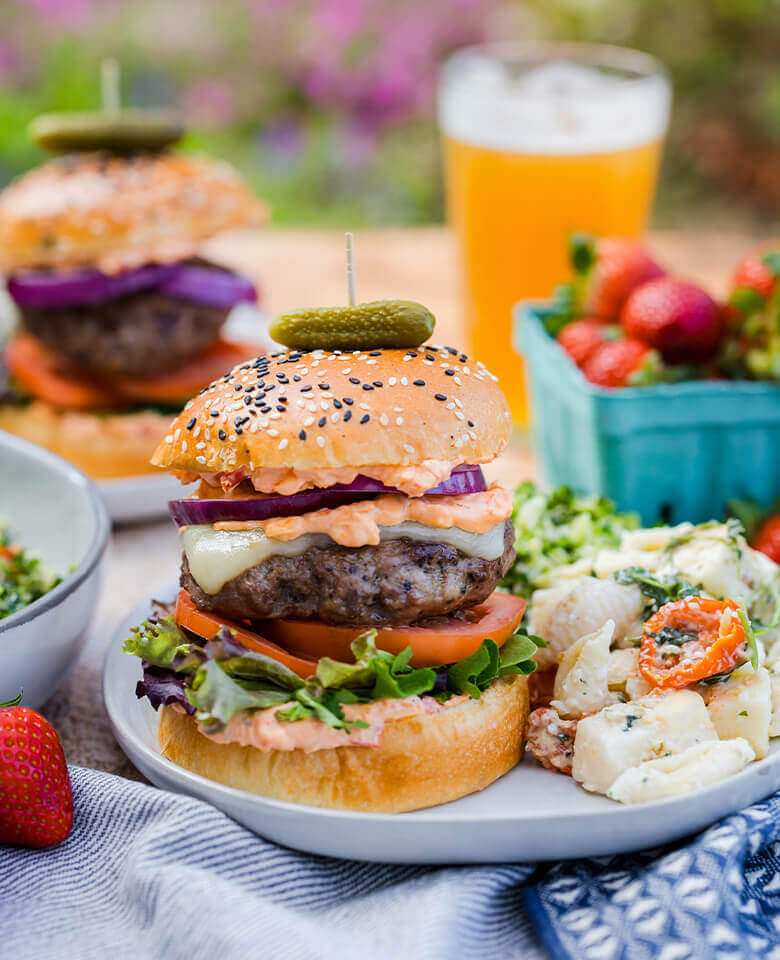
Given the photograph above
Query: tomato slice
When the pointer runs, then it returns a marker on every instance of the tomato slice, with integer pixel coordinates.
(690, 640)
(206, 625)
(42, 375)
(180, 384)
(445, 641)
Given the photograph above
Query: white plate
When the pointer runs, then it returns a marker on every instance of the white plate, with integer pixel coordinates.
(530, 814)
(145, 497)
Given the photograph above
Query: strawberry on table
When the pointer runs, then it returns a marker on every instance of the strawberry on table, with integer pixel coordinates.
(607, 271)
(622, 363)
(581, 337)
(36, 802)
(679, 319)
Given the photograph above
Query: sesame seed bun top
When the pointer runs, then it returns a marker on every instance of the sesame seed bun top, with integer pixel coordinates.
(119, 212)
(312, 410)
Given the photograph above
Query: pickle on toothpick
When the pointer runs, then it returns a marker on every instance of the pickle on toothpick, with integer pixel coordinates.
(360, 326)
(123, 131)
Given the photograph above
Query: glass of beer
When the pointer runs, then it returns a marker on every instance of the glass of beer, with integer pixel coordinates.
(538, 144)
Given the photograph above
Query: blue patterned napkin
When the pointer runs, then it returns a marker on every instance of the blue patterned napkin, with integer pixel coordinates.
(148, 874)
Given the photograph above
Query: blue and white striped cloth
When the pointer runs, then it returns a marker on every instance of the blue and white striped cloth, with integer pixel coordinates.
(149, 874)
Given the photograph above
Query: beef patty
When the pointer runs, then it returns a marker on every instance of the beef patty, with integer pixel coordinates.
(397, 582)
(140, 335)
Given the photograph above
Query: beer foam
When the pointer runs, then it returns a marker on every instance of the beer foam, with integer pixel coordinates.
(557, 107)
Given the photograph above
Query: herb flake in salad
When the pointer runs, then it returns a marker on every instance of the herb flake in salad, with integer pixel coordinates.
(23, 577)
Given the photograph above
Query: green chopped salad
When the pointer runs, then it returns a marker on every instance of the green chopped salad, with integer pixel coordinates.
(556, 528)
(23, 577)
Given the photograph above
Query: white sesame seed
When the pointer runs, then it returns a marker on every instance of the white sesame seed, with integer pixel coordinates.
(311, 406)
(428, 363)
(451, 405)
(273, 432)
(466, 371)
(200, 446)
(399, 421)
(384, 420)
(169, 439)
(177, 434)
(458, 403)
(196, 431)
(200, 459)
(364, 406)
(308, 421)
(459, 415)
(323, 404)
(232, 438)
(346, 370)
(405, 381)
(335, 416)
(458, 443)
(207, 434)
(392, 382)
(408, 448)
(300, 403)
(398, 409)
(406, 359)
(184, 446)
(369, 362)
(458, 381)
(253, 428)
(320, 441)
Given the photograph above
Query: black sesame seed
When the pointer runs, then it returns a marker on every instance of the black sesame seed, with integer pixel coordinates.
(449, 372)
(470, 423)
(463, 358)
(270, 388)
(322, 421)
(191, 424)
(440, 396)
(429, 358)
(419, 383)
(324, 386)
(348, 400)
(222, 435)
(281, 407)
(365, 418)
(250, 388)
(239, 431)
(375, 353)
(431, 349)
(354, 380)
(238, 387)
(347, 416)
(410, 353)
(377, 383)
(302, 434)
(247, 401)
(452, 351)
(282, 399)
(306, 389)
(367, 386)
(296, 378)
(215, 413)
(259, 401)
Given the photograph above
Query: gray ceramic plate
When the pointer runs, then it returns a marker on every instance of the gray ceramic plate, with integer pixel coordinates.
(57, 513)
(530, 814)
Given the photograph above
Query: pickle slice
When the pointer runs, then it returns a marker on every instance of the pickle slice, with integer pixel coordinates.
(382, 323)
(126, 131)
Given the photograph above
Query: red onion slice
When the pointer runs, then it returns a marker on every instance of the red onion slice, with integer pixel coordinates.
(209, 286)
(68, 288)
(40, 289)
(464, 479)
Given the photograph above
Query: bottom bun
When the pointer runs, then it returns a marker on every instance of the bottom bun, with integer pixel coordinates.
(103, 445)
(422, 761)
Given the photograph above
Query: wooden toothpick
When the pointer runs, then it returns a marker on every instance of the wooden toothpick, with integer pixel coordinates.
(109, 85)
(351, 268)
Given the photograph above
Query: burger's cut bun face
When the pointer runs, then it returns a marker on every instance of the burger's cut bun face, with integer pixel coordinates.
(117, 213)
(323, 410)
(422, 761)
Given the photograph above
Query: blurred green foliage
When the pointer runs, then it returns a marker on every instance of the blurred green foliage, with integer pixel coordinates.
(327, 106)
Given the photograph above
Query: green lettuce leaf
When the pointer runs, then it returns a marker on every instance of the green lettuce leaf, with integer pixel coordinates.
(160, 642)
(659, 590)
(217, 697)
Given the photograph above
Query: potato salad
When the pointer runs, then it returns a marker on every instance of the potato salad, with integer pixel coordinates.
(661, 671)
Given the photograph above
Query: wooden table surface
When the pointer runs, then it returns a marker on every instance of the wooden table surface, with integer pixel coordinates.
(298, 268)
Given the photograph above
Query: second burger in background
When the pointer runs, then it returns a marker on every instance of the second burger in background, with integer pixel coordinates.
(121, 321)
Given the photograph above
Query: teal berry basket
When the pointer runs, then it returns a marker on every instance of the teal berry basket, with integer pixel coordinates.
(671, 452)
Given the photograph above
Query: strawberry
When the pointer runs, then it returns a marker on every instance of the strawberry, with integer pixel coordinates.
(679, 319)
(581, 337)
(758, 270)
(622, 363)
(608, 270)
(767, 540)
(36, 801)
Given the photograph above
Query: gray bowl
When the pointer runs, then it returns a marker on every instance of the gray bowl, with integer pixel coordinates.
(55, 512)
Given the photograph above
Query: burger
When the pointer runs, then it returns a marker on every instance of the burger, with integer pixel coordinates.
(338, 639)
(120, 321)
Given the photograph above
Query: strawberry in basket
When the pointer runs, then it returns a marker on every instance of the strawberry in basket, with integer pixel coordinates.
(752, 344)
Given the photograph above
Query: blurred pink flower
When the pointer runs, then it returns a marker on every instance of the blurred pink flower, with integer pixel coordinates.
(209, 102)
(68, 12)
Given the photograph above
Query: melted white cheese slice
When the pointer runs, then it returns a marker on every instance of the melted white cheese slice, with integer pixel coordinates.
(217, 556)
